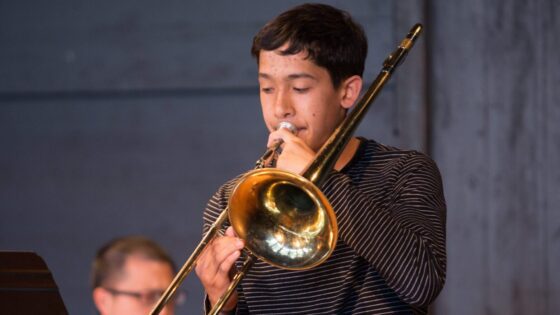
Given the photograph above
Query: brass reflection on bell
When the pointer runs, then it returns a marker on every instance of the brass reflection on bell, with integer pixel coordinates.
(284, 219)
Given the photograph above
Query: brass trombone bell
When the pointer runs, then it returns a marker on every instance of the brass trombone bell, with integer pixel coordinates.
(284, 219)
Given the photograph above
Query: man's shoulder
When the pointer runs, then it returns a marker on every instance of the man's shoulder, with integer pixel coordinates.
(226, 188)
(372, 150)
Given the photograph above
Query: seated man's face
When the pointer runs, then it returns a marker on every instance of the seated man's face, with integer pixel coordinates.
(137, 290)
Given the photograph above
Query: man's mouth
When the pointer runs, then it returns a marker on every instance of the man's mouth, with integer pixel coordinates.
(289, 126)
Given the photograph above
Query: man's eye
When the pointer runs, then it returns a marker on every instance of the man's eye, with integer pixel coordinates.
(267, 90)
(301, 90)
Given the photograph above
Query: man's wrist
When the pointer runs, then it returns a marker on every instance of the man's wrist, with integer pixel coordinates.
(208, 306)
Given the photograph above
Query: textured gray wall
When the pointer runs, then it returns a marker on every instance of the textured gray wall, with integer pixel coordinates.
(124, 118)
(495, 74)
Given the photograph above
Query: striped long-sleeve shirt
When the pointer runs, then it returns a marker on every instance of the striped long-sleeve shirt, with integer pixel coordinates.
(390, 256)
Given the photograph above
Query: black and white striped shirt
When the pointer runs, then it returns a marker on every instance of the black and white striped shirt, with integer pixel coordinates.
(390, 256)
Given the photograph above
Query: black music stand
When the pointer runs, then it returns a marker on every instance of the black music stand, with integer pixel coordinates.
(27, 286)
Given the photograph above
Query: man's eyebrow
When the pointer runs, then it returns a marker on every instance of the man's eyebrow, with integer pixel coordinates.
(293, 76)
(301, 76)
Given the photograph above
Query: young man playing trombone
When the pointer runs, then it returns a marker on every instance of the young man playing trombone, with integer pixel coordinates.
(390, 254)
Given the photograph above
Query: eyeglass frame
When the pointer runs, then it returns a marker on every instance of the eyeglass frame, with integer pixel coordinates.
(145, 298)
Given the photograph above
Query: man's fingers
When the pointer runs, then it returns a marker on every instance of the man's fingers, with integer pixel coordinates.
(218, 256)
(224, 246)
(229, 261)
(279, 135)
(230, 232)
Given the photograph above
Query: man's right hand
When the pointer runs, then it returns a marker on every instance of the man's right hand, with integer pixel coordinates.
(214, 265)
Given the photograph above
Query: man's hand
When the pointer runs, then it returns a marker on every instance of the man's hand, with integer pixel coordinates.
(214, 265)
(296, 155)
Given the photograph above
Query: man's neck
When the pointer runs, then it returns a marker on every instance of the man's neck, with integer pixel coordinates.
(347, 154)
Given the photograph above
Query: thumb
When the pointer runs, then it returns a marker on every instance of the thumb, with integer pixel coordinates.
(230, 232)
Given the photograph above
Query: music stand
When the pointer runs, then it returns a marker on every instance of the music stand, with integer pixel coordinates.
(27, 286)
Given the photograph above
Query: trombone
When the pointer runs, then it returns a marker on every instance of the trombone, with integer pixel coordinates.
(284, 219)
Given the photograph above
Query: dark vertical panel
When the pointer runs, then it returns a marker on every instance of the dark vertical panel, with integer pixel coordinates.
(397, 117)
(495, 116)
(517, 254)
(410, 127)
(460, 147)
(549, 138)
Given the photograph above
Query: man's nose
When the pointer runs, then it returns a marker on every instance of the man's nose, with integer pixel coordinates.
(283, 106)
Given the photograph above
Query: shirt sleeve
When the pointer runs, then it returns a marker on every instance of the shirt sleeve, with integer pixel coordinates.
(208, 308)
(396, 224)
(217, 203)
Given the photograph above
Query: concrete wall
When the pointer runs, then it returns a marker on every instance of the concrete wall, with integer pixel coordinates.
(124, 118)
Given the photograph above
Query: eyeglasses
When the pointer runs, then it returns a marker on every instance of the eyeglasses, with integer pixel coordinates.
(149, 297)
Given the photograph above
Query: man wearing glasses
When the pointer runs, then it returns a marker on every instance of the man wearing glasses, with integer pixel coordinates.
(129, 275)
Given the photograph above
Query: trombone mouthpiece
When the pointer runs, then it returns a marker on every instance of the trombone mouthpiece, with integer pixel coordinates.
(287, 125)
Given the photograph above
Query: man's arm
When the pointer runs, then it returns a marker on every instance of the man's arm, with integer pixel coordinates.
(402, 235)
(215, 264)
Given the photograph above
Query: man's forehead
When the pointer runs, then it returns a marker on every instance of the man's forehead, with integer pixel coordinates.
(288, 67)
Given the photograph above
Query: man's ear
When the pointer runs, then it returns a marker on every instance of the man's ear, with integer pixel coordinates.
(350, 89)
(102, 300)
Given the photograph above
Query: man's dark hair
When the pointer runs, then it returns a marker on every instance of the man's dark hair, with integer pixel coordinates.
(332, 39)
(110, 258)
